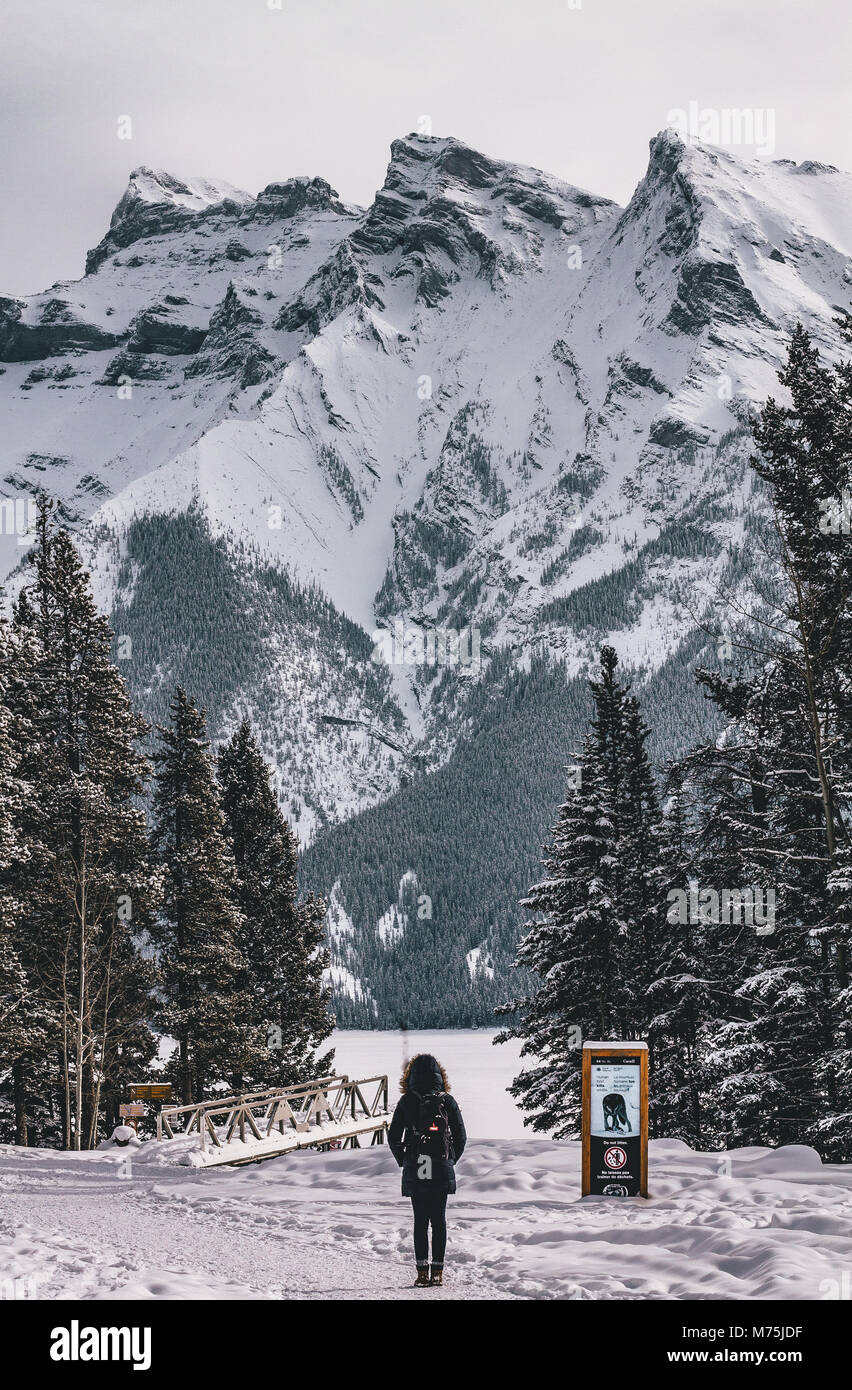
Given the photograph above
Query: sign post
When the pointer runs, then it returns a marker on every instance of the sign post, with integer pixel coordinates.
(133, 1112)
(140, 1092)
(151, 1090)
(615, 1119)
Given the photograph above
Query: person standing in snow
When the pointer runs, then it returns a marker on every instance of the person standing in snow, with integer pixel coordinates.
(427, 1138)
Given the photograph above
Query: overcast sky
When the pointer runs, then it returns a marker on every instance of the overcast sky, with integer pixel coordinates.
(237, 90)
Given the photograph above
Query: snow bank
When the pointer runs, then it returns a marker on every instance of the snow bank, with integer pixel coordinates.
(752, 1223)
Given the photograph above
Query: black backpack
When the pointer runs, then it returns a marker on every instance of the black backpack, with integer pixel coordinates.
(431, 1132)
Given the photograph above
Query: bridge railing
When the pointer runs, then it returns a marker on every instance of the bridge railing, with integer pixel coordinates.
(187, 1118)
(335, 1100)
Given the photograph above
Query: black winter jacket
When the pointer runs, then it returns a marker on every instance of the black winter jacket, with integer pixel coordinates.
(425, 1077)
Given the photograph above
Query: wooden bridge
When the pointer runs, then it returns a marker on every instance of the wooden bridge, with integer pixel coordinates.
(332, 1112)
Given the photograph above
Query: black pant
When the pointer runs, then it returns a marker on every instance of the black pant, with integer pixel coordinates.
(430, 1208)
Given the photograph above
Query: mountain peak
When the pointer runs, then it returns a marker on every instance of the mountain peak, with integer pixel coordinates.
(417, 160)
(156, 201)
(682, 176)
(436, 184)
(670, 153)
(421, 165)
(157, 186)
(287, 197)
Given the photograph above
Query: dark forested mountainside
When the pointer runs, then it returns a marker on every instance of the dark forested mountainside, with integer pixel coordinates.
(471, 833)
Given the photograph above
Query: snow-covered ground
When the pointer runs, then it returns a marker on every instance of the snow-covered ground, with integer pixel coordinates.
(752, 1224)
(120, 1223)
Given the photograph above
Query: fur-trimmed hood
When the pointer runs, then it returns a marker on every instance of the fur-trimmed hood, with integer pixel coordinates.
(422, 1074)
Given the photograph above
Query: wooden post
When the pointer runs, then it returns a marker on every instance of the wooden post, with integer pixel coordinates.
(615, 1119)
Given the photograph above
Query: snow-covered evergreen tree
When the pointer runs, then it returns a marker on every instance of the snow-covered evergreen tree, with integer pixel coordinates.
(596, 912)
(16, 988)
(85, 885)
(805, 457)
(640, 849)
(208, 1004)
(30, 1022)
(678, 989)
(778, 808)
(281, 938)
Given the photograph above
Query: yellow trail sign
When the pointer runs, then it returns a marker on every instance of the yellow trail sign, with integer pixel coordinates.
(151, 1090)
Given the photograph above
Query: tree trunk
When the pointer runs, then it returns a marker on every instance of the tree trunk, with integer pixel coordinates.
(64, 1062)
(186, 1072)
(19, 1090)
(78, 1044)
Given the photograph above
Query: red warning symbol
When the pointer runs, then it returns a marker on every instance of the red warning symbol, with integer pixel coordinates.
(615, 1157)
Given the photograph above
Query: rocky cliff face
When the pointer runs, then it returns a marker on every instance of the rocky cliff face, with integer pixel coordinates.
(490, 403)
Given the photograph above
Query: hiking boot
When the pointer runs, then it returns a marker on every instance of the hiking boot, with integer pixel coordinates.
(437, 1275)
(422, 1280)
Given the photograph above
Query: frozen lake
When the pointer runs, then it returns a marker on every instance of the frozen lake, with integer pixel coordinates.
(478, 1072)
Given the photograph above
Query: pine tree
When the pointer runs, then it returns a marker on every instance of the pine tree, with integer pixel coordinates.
(208, 1005)
(678, 990)
(805, 457)
(15, 988)
(13, 792)
(87, 885)
(597, 911)
(282, 939)
(18, 1031)
(640, 851)
(778, 789)
(765, 1016)
(29, 1024)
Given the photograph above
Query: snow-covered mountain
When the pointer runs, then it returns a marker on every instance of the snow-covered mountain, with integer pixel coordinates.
(491, 413)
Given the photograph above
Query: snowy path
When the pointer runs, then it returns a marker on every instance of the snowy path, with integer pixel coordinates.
(755, 1223)
(82, 1232)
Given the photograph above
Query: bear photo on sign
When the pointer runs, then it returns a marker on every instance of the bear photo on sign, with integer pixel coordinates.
(615, 1099)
